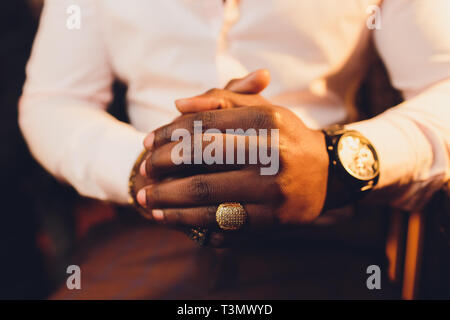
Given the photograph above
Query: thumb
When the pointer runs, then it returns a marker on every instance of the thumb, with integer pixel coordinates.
(253, 83)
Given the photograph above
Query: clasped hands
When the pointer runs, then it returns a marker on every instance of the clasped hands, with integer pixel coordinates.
(189, 193)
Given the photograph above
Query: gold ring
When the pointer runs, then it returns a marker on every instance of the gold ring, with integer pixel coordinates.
(231, 216)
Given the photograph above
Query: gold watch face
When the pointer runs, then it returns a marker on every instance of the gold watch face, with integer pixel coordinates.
(358, 156)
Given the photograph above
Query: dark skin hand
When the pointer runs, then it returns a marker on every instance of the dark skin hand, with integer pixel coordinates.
(252, 84)
(189, 194)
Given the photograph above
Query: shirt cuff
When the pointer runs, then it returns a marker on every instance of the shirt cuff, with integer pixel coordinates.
(116, 160)
(402, 150)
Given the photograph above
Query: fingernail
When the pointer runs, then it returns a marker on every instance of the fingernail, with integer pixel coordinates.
(179, 101)
(258, 72)
(141, 198)
(149, 139)
(252, 74)
(142, 169)
(158, 214)
(181, 104)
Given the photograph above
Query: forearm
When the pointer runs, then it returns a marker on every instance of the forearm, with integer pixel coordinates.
(413, 144)
(81, 144)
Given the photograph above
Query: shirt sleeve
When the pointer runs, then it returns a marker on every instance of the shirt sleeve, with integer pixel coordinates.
(62, 112)
(413, 138)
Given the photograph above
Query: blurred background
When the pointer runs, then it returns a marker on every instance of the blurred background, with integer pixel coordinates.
(42, 220)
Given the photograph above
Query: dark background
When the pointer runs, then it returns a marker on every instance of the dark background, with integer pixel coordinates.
(22, 267)
(34, 206)
(40, 219)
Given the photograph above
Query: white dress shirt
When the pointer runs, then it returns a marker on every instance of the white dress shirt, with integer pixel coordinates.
(165, 50)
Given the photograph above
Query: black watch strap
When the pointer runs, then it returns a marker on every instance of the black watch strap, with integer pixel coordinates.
(342, 189)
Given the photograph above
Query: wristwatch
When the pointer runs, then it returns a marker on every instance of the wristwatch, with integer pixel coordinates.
(354, 166)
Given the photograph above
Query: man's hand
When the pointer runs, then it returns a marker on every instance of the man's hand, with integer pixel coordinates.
(251, 85)
(189, 194)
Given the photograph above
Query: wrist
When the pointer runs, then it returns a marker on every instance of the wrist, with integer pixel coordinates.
(353, 169)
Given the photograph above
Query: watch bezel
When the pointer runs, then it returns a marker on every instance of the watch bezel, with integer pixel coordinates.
(369, 145)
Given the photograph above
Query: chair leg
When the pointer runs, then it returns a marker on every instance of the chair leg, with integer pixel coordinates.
(413, 258)
(395, 245)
